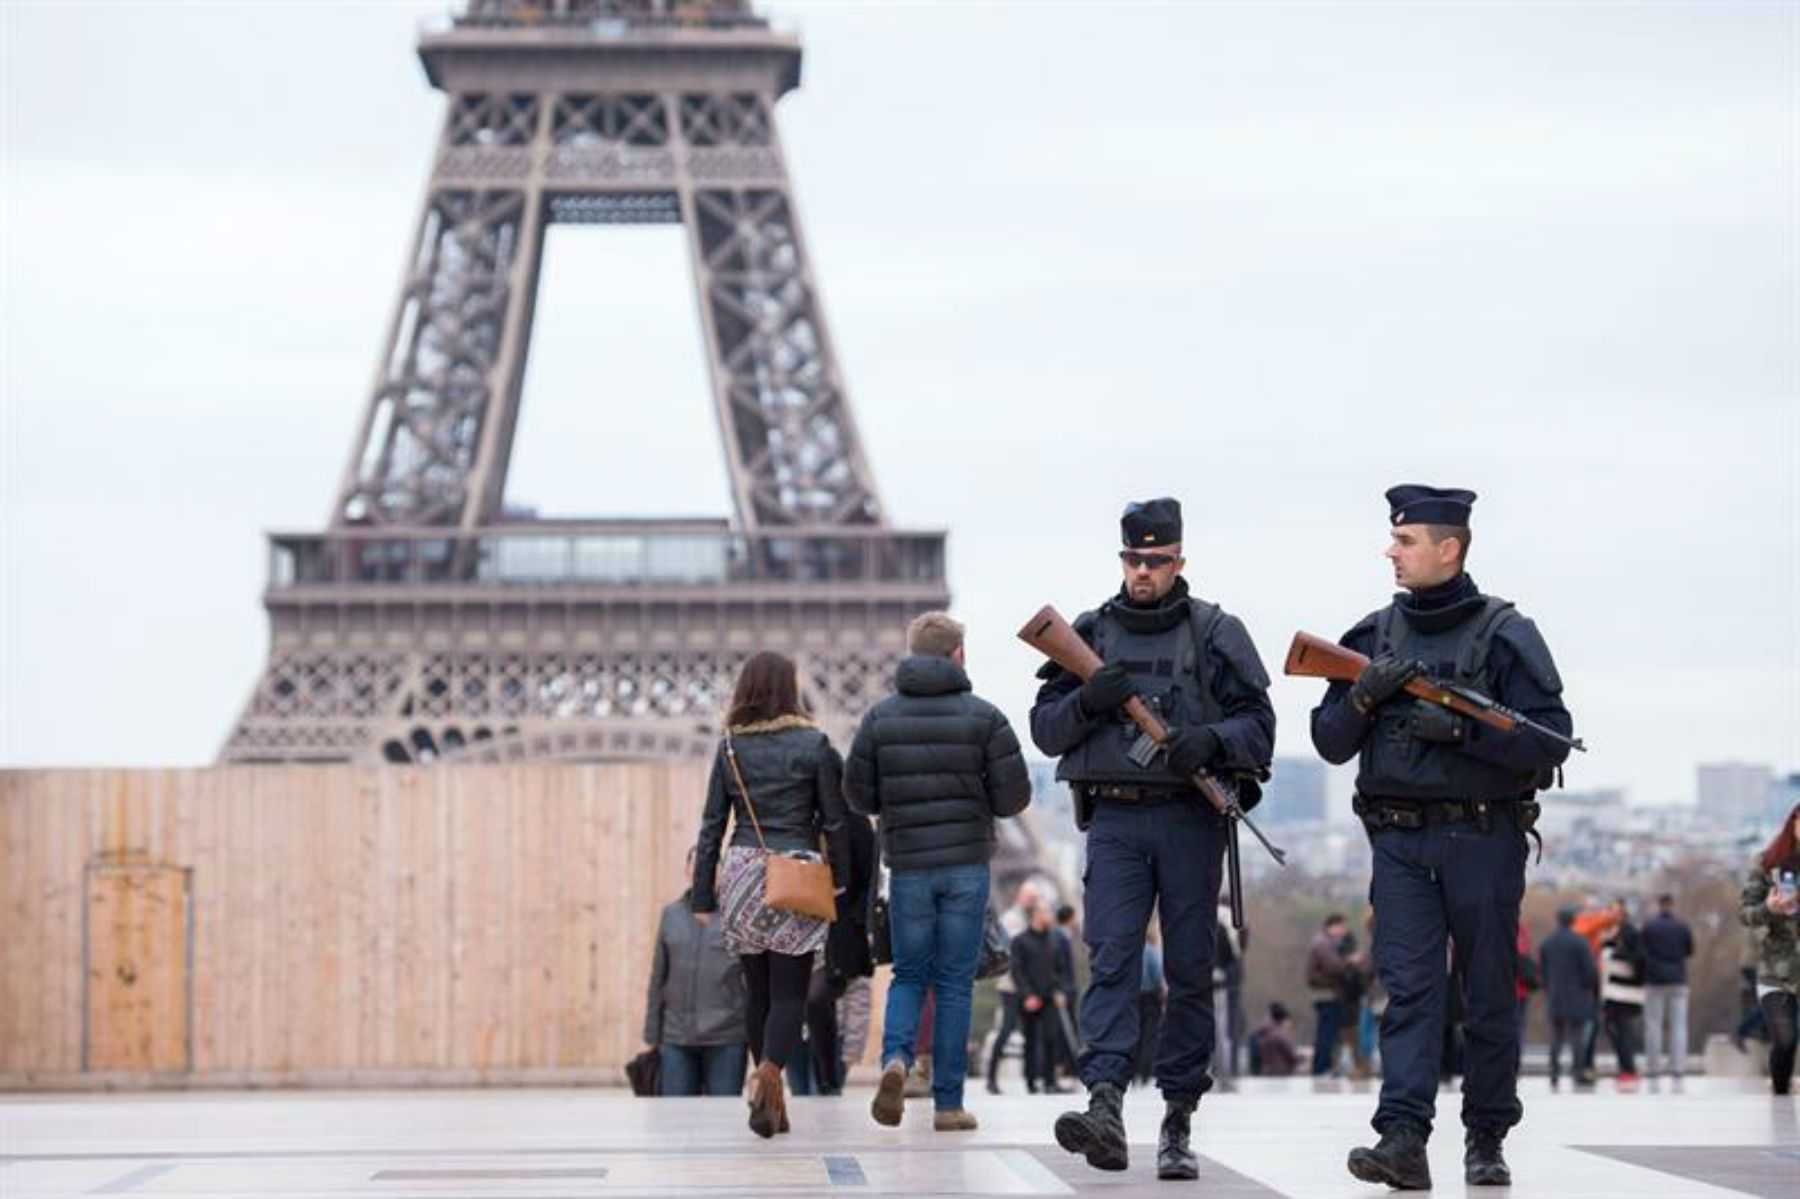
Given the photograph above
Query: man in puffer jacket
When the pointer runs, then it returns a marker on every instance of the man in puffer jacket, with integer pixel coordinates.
(937, 764)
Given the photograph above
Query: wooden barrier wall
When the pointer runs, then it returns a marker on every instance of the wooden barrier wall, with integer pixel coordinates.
(342, 925)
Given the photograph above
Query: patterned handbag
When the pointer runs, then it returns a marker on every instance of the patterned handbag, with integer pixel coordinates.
(790, 883)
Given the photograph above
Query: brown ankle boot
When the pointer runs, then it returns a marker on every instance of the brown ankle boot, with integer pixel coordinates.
(768, 1105)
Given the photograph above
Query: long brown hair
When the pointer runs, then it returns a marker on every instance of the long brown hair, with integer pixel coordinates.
(1783, 848)
(767, 688)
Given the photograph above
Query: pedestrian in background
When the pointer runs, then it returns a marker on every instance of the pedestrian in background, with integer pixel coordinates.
(938, 765)
(1272, 1048)
(694, 1013)
(1622, 991)
(1014, 920)
(778, 783)
(1770, 906)
(1068, 986)
(1326, 971)
(846, 959)
(1571, 984)
(1034, 974)
(1668, 944)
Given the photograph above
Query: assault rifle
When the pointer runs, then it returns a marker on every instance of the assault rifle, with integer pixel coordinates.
(1051, 635)
(1316, 658)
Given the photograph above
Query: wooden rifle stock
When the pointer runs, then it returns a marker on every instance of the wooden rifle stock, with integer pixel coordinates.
(1055, 638)
(1316, 658)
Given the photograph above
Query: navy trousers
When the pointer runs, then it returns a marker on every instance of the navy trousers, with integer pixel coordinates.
(1168, 855)
(1449, 888)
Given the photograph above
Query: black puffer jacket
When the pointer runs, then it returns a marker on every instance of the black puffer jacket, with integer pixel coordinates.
(937, 765)
(795, 779)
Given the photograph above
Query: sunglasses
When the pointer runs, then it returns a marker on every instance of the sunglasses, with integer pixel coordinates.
(1132, 559)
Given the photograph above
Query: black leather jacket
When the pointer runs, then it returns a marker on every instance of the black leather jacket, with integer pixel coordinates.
(795, 779)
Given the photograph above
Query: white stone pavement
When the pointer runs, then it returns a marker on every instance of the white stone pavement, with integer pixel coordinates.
(1274, 1137)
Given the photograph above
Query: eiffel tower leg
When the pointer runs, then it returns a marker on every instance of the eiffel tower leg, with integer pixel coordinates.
(790, 436)
(422, 627)
(437, 430)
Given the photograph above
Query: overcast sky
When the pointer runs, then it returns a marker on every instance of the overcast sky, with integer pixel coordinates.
(1267, 258)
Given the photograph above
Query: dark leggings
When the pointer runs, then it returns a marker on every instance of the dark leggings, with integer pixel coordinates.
(1623, 1021)
(1779, 1008)
(777, 1006)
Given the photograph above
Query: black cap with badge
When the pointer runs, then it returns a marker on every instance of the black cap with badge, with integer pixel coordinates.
(1416, 504)
(1149, 523)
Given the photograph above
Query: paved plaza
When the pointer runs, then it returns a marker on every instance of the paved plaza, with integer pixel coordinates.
(1274, 1137)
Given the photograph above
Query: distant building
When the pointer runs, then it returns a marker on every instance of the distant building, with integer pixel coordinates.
(1784, 793)
(1295, 793)
(1599, 812)
(1733, 794)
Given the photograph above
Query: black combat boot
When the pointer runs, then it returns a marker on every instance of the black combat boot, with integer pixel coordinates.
(1174, 1159)
(1398, 1160)
(1098, 1133)
(1482, 1164)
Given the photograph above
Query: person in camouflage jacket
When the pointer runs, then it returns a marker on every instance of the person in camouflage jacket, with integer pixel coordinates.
(1770, 907)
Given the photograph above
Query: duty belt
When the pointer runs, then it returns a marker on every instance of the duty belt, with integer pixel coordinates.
(1378, 813)
(1133, 792)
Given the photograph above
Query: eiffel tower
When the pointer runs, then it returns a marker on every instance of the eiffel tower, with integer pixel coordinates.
(426, 625)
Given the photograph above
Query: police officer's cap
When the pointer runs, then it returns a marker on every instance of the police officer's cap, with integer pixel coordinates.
(1416, 504)
(1151, 523)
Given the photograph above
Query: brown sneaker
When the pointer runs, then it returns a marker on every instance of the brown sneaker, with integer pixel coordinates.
(954, 1119)
(889, 1104)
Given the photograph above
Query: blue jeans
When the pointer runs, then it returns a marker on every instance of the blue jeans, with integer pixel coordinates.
(702, 1069)
(935, 917)
(1329, 1016)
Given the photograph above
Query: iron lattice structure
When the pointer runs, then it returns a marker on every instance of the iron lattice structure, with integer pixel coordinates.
(425, 625)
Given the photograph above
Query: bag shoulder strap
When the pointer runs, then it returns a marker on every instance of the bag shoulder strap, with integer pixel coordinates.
(731, 760)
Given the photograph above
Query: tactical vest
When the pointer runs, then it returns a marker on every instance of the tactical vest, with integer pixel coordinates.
(1395, 764)
(1171, 670)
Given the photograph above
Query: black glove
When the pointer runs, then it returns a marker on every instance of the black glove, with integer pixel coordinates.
(1380, 680)
(1191, 749)
(1105, 691)
(1430, 722)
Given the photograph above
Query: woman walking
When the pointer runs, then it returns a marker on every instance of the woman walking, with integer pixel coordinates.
(773, 751)
(1771, 905)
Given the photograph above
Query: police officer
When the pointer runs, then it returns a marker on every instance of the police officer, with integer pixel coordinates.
(1151, 838)
(1447, 803)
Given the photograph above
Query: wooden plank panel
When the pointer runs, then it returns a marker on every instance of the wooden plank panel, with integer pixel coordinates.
(202, 815)
(325, 870)
(243, 892)
(137, 1008)
(562, 814)
(363, 999)
(585, 905)
(446, 963)
(60, 1026)
(20, 948)
(349, 918)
